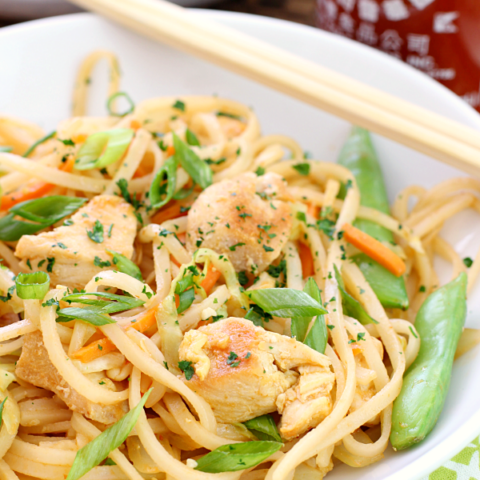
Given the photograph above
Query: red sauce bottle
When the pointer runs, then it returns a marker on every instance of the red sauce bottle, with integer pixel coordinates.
(439, 37)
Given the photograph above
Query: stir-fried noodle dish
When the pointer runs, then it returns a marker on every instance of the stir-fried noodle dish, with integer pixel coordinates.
(185, 298)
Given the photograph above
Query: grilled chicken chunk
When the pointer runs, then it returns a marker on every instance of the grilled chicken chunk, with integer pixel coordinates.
(34, 366)
(246, 218)
(69, 254)
(244, 371)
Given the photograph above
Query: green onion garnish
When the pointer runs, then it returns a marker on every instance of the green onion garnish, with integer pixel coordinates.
(98, 449)
(32, 286)
(112, 98)
(237, 456)
(124, 265)
(103, 148)
(39, 142)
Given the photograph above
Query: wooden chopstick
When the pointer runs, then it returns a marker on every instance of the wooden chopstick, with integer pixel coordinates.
(145, 18)
(309, 69)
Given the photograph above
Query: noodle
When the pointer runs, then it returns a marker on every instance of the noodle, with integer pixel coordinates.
(168, 286)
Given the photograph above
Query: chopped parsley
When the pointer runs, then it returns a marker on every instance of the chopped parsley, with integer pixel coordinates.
(260, 171)
(242, 278)
(187, 368)
(29, 264)
(302, 168)
(267, 248)
(179, 105)
(234, 247)
(96, 234)
(50, 264)
(232, 360)
(98, 263)
(468, 262)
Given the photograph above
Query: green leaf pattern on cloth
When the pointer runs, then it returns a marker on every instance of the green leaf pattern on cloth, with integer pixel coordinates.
(463, 466)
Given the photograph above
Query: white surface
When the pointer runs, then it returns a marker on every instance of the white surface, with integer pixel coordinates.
(37, 67)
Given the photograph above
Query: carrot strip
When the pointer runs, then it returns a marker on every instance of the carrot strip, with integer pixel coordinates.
(147, 321)
(374, 249)
(103, 346)
(313, 210)
(94, 350)
(33, 189)
(210, 279)
(306, 258)
(169, 212)
(170, 151)
(135, 125)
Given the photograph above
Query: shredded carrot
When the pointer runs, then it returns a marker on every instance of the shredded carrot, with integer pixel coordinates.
(103, 346)
(80, 138)
(141, 171)
(168, 213)
(135, 125)
(175, 261)
(144, 323)
(374, 249)
(313, 210)
(210, 279)
(170, 151)
(33, 189)
(94, 350)
(356, 349)
(173, 209)
(307, 260)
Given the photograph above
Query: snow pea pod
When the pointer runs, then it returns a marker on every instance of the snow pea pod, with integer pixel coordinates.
(439, 324)
(359, 156)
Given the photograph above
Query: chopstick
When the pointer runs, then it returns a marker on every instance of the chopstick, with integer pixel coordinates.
(366, 106)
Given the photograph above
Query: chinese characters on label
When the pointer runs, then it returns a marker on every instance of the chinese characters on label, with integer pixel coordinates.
(439, 37)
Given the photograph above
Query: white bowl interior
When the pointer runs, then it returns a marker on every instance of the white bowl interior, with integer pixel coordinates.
(38, 62)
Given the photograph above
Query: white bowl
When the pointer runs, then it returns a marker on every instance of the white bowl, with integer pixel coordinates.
(38, 61)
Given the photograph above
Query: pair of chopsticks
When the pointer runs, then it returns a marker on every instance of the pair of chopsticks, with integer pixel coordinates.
(347, 98)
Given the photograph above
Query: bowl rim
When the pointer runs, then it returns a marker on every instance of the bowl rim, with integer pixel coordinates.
(464, 433)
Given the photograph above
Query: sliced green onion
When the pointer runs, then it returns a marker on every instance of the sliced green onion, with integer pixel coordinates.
(200, 172)
(300, 324)
(113, 97)
(4, 149)
(98, 449)
(125, 265)
(191, 138)
(286, 302)
(352, 307)
(103, 148)
(111, 302)
(39, 142)
(2, 406)
(97, 312)
(317, 337)
(32, 286)
(229, 115)
(184, 193)
(235, 457)
(48, 209)
(45, 211)
(164, 183)
(264, 428)
(94, 316)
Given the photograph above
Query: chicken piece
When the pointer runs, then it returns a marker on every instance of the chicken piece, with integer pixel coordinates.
(244, 371)
(69, 253)
(306, 404)
(246, 218)
(34, 366)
